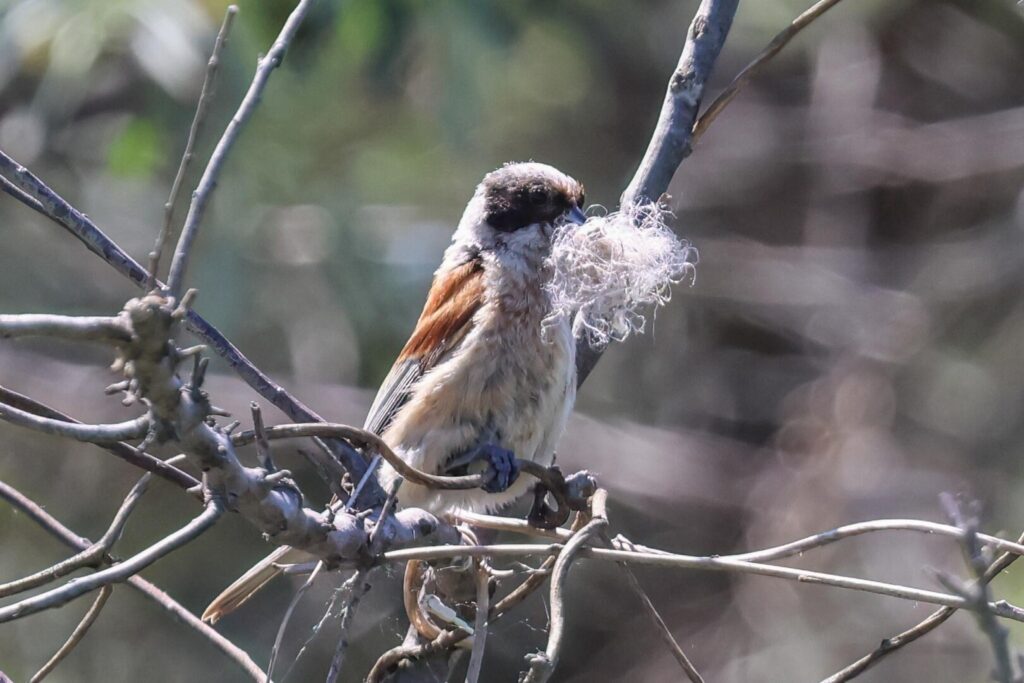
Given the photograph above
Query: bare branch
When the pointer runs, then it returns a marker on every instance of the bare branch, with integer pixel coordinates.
(659, 624)
(205, 97)
(542, 664)
(127, 453)
(204, 190)
(78, 328)
(780, 41)
(31, 202)
(707, 563)
(288, 616)
(483, 595)
(922, 628)
(358, 586)
(173, 608)
(40, 197)
(76, 636)
(965, 515)
(368, 439)
(95, 555)
(671, 141)
(116, 573)
(100, 433)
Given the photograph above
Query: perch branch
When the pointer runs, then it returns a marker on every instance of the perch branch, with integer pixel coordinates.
(270, 501)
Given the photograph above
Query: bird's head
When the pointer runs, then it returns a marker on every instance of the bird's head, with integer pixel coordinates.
(517, 208)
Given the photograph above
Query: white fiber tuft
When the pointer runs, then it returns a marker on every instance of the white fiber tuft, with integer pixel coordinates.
(606, 272)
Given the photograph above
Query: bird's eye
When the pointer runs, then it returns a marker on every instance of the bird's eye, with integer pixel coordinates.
(582, 201)
(538, 197)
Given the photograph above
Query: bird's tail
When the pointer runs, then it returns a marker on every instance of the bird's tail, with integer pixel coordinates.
(245, 586)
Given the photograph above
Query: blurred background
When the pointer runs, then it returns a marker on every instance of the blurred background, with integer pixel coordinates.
(850, 349)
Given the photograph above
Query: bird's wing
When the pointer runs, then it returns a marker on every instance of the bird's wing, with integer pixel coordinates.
(455, 296)
(447, 317)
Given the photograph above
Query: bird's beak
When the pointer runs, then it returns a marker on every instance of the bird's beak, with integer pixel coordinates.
(575, 215)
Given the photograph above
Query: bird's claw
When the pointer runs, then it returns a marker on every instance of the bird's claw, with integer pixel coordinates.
(502, 466)
(499, 462)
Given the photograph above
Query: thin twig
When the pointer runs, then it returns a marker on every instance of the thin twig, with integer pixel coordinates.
(1003, 609)
(262, 444)
(780, 41)
(72, 327)
(76, 636)
(360, 586)
(130, 454)
(118, 572)
(95, 555)
(965, 515)
(922, 628)
(287, 617)
(169, 605)
(483, 596)
(205, 97)
(25, 198)
(90, 433)
(659, 624)
(203, 191)
(341, 591)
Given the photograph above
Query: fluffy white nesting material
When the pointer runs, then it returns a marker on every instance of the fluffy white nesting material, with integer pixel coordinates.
(609, 272)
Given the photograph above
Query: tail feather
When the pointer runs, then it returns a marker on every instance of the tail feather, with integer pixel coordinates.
(245, 586)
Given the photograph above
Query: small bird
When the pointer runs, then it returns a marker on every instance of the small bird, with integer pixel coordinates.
(486, 376)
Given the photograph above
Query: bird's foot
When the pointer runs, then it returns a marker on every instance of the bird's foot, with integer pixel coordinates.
(499, 462)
